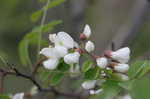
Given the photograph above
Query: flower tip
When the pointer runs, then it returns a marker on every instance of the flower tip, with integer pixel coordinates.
(87, 31)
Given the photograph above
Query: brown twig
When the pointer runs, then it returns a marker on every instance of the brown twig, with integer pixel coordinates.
(37, 66)
(17, 73)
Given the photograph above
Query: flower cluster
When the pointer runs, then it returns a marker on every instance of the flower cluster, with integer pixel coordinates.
(64, 47)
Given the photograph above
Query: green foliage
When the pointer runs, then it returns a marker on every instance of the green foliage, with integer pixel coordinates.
(54, 77)
(92, 74)
(37, 15)
(139, 69)
(4, 97)
(111, 89)
(86, 66)
(32, 39)
(54, 3)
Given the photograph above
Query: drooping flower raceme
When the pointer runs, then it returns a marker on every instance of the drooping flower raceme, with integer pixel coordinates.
(89, 46)
(64, 48)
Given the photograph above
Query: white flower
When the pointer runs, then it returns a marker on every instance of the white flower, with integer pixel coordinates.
(52, 37)
(51, 63)
(89, 47)
(49, 52)
(102, 62)
(122, 55)
(123, 68)
(87, 31)
(72, 58)
(64, 39)
(92, 92)
(122, 76)
(18, 96)
(61, 51)
(89, 84)
(53, 57)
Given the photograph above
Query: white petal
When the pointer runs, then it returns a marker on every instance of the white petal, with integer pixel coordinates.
(52, 37)
(51, 64)
(102, 62)
(18, 96)
(61, 51)
(64, 39)
(122, 55)
(49, 52)
(92, 92)
(87, 31)
(89, 47)
(72, 58)
(123, 77)
(89, 84)
(123, 68)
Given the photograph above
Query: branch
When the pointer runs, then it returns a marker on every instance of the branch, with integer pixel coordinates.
(37, 66)
(15, 72)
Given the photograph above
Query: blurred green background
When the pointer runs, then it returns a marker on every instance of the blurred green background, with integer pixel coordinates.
(127, 23)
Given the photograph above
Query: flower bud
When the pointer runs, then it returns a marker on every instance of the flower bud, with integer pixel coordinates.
(72, 58)
(89, 47)
(87, 31)
(51, 64)
(92, 92)
(122, 55)
(89, 84)
(123, 68)
(102, 62)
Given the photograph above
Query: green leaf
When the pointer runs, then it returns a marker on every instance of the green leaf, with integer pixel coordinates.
(56, 78)
(4, 97)
(45, 75)
(36, 15)
(86, 66)
(145, 70)
(23, 52)
(32, 39)
(111, 89)
(63, 66)
(92, 74)
(136, 68)
(141, 88)
(127, 85)
(54, 3)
